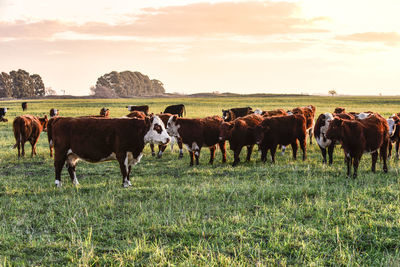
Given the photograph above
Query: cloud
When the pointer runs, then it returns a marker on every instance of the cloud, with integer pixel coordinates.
(387, 38)
(193, 20)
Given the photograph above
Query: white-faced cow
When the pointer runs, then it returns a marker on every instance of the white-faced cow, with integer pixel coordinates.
(394, 133)
(3, 112)
(54, 112)
(98, 140)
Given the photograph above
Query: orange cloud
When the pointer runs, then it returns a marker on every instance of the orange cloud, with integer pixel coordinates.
(200, 19)
(388, 38)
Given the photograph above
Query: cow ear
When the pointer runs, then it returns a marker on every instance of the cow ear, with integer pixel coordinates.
(174, 118)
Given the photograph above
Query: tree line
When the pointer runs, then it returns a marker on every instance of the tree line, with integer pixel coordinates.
(20, 84)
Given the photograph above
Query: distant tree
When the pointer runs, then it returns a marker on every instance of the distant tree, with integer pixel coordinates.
(128, 83)
(38, 85)
(50, 91)
(103, 92)
(20, 84)
(6, 85)
(332, 92)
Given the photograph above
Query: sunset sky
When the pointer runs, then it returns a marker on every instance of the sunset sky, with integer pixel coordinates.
(309, 46)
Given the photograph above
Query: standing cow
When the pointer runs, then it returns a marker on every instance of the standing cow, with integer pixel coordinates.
(3, 112)
(196, 133)
(361, 136)
(24, 106)
(309, 113)
(144, 108)
(281, 130)
(28, 128)
(240, 133)
(54, 112)
(234, 113)
(98, 140)
(176, 110)
(394, 134)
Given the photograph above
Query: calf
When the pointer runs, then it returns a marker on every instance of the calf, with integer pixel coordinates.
(309, 114)
(3, 112)
(283, 130)
(240, 133)
(234, 113)
(196, 133)
(394, 134)
(28, 128)
(361, 136)
(176, 110)
(105, 112)
(144, 108)
(54, 112)
(320, 129)
(96, 140)
(24, 106)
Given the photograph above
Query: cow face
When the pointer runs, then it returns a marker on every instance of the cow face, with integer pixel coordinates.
(44, 121)
(225, 131)
(156, 133)
(53, 112)
(226, 114)
(334, 129)
(339, 110)
(392, 126)
(363, 115)
(173, 126)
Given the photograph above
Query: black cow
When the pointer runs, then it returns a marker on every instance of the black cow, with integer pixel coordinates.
(144, 108)
(176, 110)
(24, 106)
(234, 113)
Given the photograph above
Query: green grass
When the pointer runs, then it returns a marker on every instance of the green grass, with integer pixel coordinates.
(289, 213)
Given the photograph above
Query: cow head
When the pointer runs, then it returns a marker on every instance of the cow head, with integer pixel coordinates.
(105, 112)
(43, 122)
(156, 133)
(173, 126)
(363, 115)
(226, 114)
(261, 130)
(335, 129)
(392, 122)
(53, 112)
(339, 110)
(225, 130)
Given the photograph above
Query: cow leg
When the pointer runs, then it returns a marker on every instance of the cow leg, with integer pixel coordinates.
(59, 160)
(124, 167)
(51, 150)
(249, 151)
(347, 159)
(323, 152)
(397, 149)
(310, 133)
(191, 155)
(264, 152)
(23, 147)
(356, 161)
(223, 150)
(273, 151)
(303, 147)
(152, 150)
(212, 154)
(72, 174)
(331, 147)
(236, 158)
(19, 148)
(294, 150)
(197, 155)
(383, 153)
(390, 150)
(374, 157)
(180, 148)
(161, 149)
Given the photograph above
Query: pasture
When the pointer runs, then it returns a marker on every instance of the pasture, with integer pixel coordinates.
(288, 213)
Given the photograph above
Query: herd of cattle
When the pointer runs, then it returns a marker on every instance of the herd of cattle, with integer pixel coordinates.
(101, 138)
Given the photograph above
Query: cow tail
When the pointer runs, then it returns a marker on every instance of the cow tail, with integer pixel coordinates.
(17, 125)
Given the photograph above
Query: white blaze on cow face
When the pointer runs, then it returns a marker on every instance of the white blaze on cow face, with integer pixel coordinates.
(363, 115)
(321, 139)
(172, 127)
(392, 126)
(258, 111)
(290, 113)
(157, 133)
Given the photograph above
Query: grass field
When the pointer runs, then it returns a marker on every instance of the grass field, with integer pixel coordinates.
(289, 213)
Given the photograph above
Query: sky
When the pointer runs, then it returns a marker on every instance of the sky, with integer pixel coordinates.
(303, 46)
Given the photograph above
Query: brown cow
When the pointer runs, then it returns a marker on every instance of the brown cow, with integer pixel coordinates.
(28, 128)
(104, 112)
(281, 130)
(96, 140)
(361, 136)
(144, 108)
(234, 113)
(240, 133)
(320, 129)
(161, 148)
(270, 113)
(339, 110)
(196, 133)
(309, 114)
(54, 112)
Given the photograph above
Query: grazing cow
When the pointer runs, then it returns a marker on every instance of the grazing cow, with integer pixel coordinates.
(3, 112)
(28, 128)
(270, 113)
(234, 113)
(176, 110)
(309, 113)
(339, 110)
(104, 112)
(320, 129)
(281, 130)
(196, 133)
(98, 140)
(240, 133)
(361, 136)
(24, 106)
(136, 114)
(144, 108)
(54, 112)
(394, 134)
